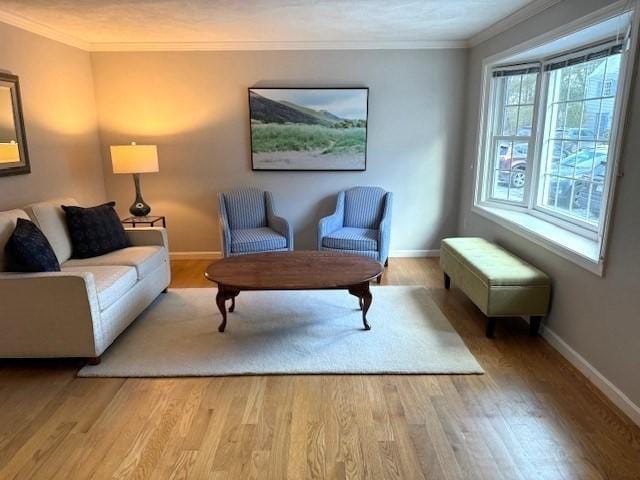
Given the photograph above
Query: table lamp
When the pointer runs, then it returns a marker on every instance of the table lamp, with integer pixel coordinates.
(135, 159)
(9, 152)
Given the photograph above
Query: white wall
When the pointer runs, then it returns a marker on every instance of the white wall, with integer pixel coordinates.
(194, 106)
(599, 318)
(59, 111)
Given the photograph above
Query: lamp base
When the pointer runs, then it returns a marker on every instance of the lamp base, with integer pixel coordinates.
(139, 208)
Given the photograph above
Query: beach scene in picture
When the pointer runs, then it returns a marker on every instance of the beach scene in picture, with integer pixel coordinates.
(308, 129)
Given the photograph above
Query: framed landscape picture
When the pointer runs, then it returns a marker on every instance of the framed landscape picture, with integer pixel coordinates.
(308, 128)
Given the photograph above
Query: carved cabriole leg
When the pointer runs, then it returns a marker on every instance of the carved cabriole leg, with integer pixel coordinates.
(364, 300)
(220, 301)
(224, 294)
(366, 303)
(356, 293)
(233, 304)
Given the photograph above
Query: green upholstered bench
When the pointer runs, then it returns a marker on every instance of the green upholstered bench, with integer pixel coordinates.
(498, 282)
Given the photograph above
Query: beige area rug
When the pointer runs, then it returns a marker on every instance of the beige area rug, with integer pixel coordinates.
(303, 332)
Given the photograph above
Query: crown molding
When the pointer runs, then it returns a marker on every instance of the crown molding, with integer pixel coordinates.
(519, 16)
(529, 10)
(42, 30)
(290, 45)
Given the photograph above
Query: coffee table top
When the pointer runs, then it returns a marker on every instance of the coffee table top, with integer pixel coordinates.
(298, 270)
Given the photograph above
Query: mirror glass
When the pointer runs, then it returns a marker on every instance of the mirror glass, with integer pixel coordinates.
(13, 151)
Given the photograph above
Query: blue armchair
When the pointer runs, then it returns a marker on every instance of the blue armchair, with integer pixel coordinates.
(361, 224)
(250, 225)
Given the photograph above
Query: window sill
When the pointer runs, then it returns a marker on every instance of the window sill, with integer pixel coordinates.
(582, 251)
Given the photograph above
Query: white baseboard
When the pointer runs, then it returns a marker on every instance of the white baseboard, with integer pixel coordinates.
(612, 392)
(414, 253)
(210, 255)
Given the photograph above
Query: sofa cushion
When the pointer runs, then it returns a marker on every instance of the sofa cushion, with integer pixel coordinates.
(95, 231)
(144, 259)
(28, 250)
(50, 218)
(246, 209)
(348, 238)
(8, 221)
(111, 282)
(256, 240)
(363, 207)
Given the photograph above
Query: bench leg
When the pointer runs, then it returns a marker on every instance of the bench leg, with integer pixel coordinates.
(491, 327)
(447, 281)
(93, 360)
(534, 325)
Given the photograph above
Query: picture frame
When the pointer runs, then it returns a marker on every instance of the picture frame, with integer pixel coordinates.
(309, 128)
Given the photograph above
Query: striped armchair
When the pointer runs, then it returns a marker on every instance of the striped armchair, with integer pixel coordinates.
(249, 224)
(361, 224)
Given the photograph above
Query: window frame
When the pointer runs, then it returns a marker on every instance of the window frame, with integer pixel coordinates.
(492, 136)
(514, 217)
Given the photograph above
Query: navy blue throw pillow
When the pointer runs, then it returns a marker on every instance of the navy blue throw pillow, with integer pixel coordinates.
(95, 231)
(28, 250)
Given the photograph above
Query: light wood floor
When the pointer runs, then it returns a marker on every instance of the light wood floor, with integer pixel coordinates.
(530, 416)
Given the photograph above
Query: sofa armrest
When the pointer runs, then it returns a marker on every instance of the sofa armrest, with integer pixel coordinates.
(144, 236)
(52, 314)
(332, 222)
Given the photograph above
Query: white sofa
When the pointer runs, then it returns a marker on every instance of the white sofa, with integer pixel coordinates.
(79, 311)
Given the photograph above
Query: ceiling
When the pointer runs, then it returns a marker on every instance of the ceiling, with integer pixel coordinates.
(111, 23)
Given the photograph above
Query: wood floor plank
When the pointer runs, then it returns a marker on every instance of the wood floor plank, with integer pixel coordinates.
(531, 416)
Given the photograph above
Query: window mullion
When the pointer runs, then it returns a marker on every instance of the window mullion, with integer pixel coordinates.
(538, 139)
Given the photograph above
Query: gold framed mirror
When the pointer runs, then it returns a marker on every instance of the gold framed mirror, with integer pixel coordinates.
(14, 158)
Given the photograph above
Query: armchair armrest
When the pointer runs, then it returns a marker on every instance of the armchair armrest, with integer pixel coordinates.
(384, 231)
(224, 226)
(144, 236)
(332, 222)
(53, 314)
(279, 224)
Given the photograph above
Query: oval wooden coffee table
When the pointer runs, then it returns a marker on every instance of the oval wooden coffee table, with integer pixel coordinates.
(298, 270)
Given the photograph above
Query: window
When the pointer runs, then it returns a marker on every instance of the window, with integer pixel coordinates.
(580, 109)
(515, 93)
(551, 127)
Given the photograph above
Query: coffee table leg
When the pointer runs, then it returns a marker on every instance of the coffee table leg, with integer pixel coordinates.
(367, 298)
(221, 302)
(364, 300)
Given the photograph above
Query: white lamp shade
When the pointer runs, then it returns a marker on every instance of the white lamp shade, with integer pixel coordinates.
(9, 152)
(134, 158)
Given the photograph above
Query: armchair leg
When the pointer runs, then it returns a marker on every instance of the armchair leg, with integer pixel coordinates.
(386, 263)
(379, 279)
